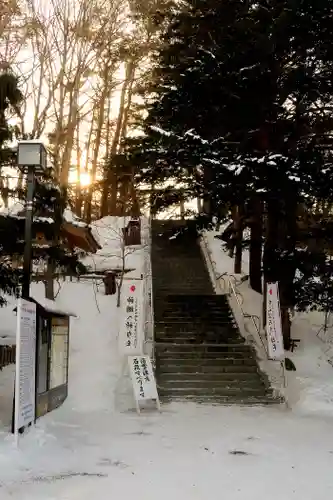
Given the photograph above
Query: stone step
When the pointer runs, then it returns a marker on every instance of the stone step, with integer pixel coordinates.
(190, 322)
(197, 330)
(224, 366)
(213, 400)
(161, 292)
(204, 321)
(215, 320)
(218, 319)
(192, 305)
(200, 308)
(183, 282)
(213, 386)
(201, 296)
(240, 347)
(191, 302)
(195, 339)
(186, 377)
(201, 337)
(204, 313)
(195, 391)
(183, 329)
(175, 255)
(169, 359)
(198, 355)
(162, 319)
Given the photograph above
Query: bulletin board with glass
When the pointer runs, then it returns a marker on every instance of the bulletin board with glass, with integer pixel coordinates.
(59, 351)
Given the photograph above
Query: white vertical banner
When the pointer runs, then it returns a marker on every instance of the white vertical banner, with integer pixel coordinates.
(143, 380)
(25, 381)
(131, 330)
(273, 323)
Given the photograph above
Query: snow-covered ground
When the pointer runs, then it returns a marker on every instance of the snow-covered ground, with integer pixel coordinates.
(310, 387)
(96, 446)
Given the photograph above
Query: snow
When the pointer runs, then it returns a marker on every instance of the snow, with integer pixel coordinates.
(161, 130)
(71, 218)
(202, 49)
(191, 133)
(8, 315)
(310, 388)
(108, 232)
(96, 446)
(13, 210)
(8, 323)
(18, 210)
(53, 306)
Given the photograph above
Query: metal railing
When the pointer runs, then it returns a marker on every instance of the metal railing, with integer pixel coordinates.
(227, 284)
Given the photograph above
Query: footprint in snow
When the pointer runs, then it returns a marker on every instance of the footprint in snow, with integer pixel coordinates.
(239, 452)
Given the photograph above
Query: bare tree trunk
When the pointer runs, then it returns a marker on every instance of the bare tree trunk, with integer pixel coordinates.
(238, 239)
(232, 240)
(256, 226)
(182, 209)
(122, 272)
(78, 192)
(49, 280)
(106, 176)
(97, 145)
(112, 176)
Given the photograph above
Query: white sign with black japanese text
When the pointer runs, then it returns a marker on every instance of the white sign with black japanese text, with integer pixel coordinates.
(131, 328)
(143, 379)
(25, 382)
(273, 323)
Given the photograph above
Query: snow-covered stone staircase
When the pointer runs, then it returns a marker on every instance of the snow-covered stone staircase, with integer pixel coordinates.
(200, 354)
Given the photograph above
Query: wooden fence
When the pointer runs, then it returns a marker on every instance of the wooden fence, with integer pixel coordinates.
(7, 355)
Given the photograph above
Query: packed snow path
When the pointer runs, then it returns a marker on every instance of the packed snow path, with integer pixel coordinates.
(93, 447)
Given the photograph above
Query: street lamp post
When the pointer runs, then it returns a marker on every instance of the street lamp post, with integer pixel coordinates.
(31, 158)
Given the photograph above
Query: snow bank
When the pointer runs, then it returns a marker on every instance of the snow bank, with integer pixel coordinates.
(89, 447)
(8, 315)
(217, 247)
(310, 390)
(18, 210)
(8, 323)
(73, 219)
(108, 231)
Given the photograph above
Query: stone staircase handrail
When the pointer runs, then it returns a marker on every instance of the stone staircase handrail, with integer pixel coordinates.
(230, 289)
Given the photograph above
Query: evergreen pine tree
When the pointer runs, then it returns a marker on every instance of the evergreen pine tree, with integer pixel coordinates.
(48, 202)
(241, 111)
(10, 99)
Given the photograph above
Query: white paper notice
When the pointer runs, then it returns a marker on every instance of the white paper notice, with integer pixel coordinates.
(25, 364)
(131, 326)
(273, 323)
(143, 378)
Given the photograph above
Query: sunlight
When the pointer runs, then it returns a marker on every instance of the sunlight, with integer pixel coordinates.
(85, 178)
